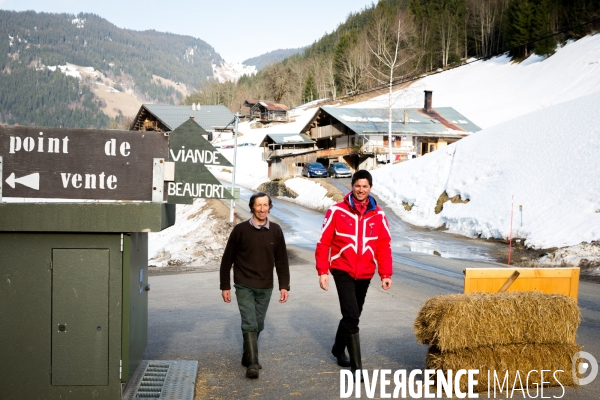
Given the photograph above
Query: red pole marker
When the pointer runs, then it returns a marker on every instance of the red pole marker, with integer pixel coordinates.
(512, 206)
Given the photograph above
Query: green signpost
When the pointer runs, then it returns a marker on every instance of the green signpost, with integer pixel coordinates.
(74, 300)
(191, 153)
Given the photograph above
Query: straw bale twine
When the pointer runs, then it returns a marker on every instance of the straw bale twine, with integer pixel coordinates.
(523, 359)
(460, 321)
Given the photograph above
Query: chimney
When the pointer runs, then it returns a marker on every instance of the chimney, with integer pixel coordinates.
(428, 99)
(192, 117)
(405, 117)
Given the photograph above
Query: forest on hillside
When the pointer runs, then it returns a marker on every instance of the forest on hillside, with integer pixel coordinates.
(271, 57)
(394, 40)
(30, 42)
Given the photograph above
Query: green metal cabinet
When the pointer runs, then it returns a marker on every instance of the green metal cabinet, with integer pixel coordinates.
(73, 298)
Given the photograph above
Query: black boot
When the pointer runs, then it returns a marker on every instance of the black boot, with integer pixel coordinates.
(353, 343)
(251, 354)
(245, 362)
(339, 348)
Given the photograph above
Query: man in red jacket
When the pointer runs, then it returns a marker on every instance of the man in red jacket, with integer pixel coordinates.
(355, 241)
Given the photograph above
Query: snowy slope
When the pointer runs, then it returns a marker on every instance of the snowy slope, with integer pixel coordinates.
(538, 144)
(489, 92)
(548, 160)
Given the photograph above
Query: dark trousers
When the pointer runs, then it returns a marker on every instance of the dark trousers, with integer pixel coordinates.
(253, 304)
(351, 293)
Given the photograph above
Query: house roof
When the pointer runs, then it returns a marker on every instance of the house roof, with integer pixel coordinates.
(288, 138)
(269, 105)
(208, 116)
(369, 121)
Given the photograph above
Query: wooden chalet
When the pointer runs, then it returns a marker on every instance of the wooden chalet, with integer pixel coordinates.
(286, 153)
(165, 118)
(266, 111)
(359, 136)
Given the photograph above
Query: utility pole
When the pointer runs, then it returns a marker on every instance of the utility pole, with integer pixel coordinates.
(235, 134)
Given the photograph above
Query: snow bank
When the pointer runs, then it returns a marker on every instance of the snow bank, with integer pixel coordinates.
(547, 160)
(185, 244)
(310, 194)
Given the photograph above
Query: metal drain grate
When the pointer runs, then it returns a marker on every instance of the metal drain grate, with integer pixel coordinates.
(153, 381)
(178, 383)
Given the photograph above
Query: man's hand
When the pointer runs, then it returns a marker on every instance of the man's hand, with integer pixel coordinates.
(324, 281)
(226, 295)
(284, 295)
(386, 283)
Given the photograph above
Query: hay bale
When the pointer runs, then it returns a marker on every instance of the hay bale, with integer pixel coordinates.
(458, 321)
(517, 358)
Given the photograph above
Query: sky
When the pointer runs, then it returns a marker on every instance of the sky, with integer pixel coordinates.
(538, 149)
(237, 29)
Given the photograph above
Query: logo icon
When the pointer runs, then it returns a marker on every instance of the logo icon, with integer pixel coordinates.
(584, 363)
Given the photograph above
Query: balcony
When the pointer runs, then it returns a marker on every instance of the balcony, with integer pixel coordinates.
(328, 131)
(269, 154)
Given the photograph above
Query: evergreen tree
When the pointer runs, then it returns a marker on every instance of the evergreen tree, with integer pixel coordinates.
(544, 45)
(519, 27)
(310, 90)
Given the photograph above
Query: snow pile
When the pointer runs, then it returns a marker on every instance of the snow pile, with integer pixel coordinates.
(310, 194)
(584, 255)
(231, 72)
(185, 244)
(251, 171)
(490, 92)
(547, 160)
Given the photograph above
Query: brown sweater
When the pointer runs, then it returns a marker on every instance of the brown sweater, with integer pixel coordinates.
(253, 253)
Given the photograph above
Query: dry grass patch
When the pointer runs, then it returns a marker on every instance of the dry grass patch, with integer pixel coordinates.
(444, 198)
(333, 192)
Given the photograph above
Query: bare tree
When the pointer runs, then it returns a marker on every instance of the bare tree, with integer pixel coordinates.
(329, 69)
(485, 13)
(355, 66)
(390, 45)
(279, 78)
(446, 30)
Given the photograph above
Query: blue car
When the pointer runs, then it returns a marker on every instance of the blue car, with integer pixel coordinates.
(314, 169)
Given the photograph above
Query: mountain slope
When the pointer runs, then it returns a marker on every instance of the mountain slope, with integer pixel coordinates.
(264, 60)
(130, 59)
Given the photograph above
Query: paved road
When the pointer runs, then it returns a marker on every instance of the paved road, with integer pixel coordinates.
(188, 320)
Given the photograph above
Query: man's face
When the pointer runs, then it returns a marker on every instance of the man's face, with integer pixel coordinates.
(260, 209)
(361, 189)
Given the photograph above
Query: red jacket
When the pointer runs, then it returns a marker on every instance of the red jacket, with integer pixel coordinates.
(359, 243)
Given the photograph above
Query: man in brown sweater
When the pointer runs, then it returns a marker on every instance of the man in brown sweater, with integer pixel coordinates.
(254, 248)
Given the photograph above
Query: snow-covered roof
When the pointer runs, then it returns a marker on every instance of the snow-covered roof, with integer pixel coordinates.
(207, 116)
(368, 121)
(288, 138)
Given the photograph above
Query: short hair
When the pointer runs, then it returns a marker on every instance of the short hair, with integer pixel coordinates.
(256, 196)
(362, 174)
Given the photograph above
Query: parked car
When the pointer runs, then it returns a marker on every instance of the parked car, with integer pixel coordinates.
(314, 169)
(246, 144)
(339, 170)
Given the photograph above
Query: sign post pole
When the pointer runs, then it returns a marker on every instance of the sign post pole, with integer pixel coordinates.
(235, 134)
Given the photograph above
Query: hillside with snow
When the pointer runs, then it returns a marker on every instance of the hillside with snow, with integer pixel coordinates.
(490, 92)
(538, 150)
(544, 166)
(231, 72)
